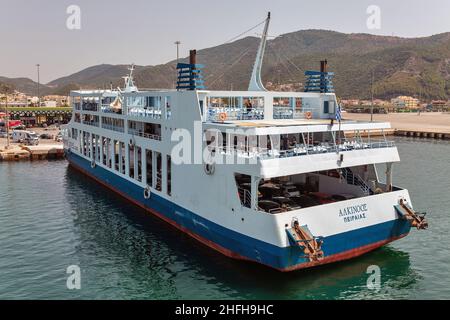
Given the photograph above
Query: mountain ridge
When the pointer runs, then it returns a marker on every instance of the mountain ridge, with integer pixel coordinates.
(413, 66)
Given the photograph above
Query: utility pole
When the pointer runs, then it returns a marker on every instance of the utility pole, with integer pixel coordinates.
(371, 106)
(38, 88)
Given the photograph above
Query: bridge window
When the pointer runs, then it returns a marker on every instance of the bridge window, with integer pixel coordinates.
(328, 107)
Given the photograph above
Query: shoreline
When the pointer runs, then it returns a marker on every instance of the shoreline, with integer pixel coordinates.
(426, 122)
(424, 125)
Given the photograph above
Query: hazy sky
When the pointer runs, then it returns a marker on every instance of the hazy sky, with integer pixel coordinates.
(143, 31)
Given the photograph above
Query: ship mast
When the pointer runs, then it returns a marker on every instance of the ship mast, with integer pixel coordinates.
(255, 83)
(129, 82)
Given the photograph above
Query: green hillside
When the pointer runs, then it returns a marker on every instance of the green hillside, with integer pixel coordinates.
(409, 66)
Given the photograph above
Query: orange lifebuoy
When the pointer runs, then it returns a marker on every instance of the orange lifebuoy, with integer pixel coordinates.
(308, 115)
(222, 116)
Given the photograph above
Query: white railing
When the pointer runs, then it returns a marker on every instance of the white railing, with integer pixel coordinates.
(112, 127)
(91, 123)
(355, 179)
(245, 196)
(106, 108)
(303, 149)
(286, 112)
(143, 134)
(234, 113)
(89, 106)
(145, 112)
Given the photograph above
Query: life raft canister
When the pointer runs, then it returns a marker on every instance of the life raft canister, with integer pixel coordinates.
(222, 116)
(147, 192)
(209, 168)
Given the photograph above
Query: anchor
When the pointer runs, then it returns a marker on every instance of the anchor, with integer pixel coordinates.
(311, 246)
(416, 219)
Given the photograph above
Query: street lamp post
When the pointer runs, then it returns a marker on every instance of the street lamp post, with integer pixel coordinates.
(177, 43)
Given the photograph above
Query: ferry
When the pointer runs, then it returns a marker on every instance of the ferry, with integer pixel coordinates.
(276, 178)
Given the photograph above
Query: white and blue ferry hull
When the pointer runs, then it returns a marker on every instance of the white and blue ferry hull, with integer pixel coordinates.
(284, 257)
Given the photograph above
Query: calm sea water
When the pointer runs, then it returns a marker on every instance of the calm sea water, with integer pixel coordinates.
(52, 217)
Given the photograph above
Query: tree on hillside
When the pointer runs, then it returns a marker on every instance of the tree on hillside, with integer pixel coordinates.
(6, 88)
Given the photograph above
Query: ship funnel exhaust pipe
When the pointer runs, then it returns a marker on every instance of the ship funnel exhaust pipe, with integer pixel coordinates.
(190, 74)
(323, 65)
(193, 56)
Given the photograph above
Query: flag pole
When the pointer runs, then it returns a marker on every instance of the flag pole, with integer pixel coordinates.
(338, 118)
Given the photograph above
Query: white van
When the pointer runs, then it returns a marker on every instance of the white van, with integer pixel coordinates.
(25, 136)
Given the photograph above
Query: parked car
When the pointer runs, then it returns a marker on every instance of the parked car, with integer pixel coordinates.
(58, 137)
(25, 136)
(269, 206)
(342, 196)
(305, 201)
(3, 134)
(322, 198)
(270, 190)
(290, 190)
(286, 203)
(46, 136)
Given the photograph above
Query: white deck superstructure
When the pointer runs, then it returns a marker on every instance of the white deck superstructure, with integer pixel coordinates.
(264, 176)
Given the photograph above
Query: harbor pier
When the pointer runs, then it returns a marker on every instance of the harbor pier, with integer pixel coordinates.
(39, 152)
(422, 134)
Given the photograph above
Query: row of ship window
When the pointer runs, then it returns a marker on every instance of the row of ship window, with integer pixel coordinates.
(143, 129)
(144, 165)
